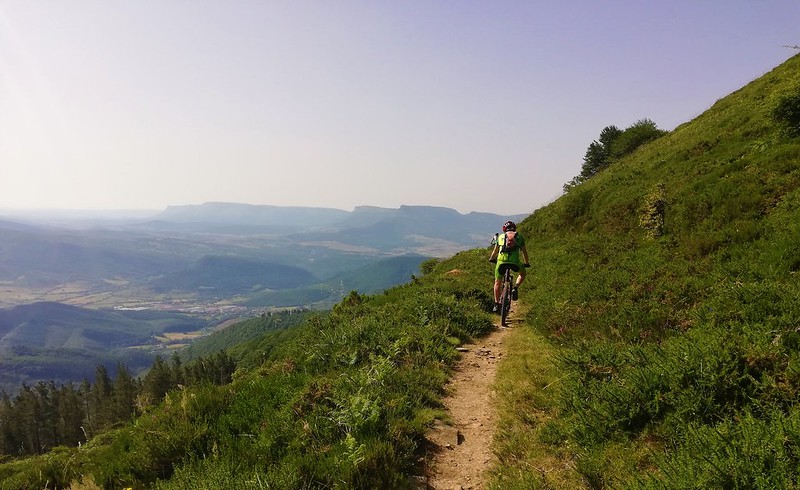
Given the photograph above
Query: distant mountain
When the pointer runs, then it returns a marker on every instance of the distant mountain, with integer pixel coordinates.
(243, 332)
(256, 248)
(363, 216)
(410, 227)
(244, 218)
(15, 226)
(378, 229)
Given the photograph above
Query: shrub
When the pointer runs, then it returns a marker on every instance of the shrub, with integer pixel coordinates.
(787, 113)
(750, 452)
(652, 215)
(641, 132)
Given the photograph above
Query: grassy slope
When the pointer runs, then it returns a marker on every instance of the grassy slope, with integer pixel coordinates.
(373, 277)
(240, 336)
(644, 362)
(676, 357)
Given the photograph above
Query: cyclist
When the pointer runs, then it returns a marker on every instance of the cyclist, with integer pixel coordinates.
(502, 255)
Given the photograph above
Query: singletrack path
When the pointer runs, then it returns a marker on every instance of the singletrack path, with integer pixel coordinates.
(460, 452)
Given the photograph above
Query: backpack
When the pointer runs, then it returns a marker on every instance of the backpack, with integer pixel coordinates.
(510, 242)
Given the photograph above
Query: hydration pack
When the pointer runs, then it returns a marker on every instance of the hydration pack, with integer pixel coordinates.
(509, 242)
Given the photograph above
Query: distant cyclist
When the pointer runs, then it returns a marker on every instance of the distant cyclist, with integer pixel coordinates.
(507, 247)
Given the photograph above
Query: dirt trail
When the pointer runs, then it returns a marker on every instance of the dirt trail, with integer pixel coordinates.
(461, 451)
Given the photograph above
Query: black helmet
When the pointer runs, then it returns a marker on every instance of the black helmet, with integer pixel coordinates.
(509, 226)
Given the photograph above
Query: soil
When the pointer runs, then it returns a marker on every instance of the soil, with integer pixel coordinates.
(460, 451)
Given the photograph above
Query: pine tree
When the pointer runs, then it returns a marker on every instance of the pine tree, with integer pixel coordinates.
(101, 400)
(47, 402)
(9, 424)
(28, 420)
(225, 367)
(157, 382)
(70, 416)
(178, 378)
(85, 392)
(125, 390)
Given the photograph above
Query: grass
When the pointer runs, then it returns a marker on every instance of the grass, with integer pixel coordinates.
(659, 350)
(526, 382)
(666, 290)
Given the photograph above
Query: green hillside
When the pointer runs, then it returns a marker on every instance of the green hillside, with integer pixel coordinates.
(239, 334)
(659, 348)
(379, 275)
(226, 276)
(373, 277)
(666, 289)
(52, 341)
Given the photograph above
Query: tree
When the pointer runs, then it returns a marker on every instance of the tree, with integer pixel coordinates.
(608, 135)
(101, 400)
(225, 366)
(157, 382)
(634, 136)
(124, 397)
(787, 113)
(9, 426)
(85, 392)
(596, 159)
(28, 420)
(70, 416)
(177, 370)
(47, 402)
(612, 145)
(597, 156)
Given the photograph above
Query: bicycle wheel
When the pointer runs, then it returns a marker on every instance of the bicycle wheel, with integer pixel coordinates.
(505, 299)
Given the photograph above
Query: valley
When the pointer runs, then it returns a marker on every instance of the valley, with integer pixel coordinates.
(137, 288)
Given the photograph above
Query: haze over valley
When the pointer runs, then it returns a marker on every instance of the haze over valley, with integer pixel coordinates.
(84, 289)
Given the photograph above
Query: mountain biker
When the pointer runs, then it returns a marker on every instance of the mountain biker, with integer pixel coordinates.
(500, 255)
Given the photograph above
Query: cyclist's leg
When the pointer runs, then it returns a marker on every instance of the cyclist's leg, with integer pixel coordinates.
(519, 268)
(498, 281)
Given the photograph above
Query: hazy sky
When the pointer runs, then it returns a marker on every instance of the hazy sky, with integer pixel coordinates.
(474, 105)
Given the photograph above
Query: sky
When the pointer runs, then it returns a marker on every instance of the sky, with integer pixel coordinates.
(474, 105)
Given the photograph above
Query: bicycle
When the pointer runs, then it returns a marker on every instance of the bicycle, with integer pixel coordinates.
(505, 294)
(505, 271)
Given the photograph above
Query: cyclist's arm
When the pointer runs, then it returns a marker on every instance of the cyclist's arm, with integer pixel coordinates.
(525, 254)
(495, 251)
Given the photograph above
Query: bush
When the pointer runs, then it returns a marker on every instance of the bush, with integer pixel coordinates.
(641, 132)
(747, 453)
(652, 215)
(787, 113)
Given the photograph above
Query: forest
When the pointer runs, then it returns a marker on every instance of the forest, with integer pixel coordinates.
(47, 415)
